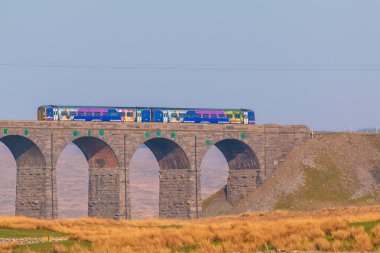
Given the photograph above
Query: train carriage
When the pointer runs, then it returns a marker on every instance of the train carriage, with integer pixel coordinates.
(145, 114)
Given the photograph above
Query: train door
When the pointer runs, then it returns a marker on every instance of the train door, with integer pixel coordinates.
(245, 117)
(55, 113)
(190, 117)
(41, 113)
(145, 115)
(166, 116)
(130, 116)
(138, 116)
(158, 116)
(49, 113)
(251, 117)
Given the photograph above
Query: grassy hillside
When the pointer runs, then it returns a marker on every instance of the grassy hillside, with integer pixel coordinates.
(343, 229)
(329, 171)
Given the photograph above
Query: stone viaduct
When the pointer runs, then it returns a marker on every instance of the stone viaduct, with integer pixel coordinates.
(252, 154)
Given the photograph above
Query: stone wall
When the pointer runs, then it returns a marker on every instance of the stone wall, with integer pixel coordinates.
(253, 154)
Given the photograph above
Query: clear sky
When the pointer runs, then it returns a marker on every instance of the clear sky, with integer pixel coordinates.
(314, 62)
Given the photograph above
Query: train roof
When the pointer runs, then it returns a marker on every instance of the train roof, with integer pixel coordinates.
(150, 108)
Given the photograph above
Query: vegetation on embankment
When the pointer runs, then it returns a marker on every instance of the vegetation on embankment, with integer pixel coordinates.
(342, 229)
(330, 171)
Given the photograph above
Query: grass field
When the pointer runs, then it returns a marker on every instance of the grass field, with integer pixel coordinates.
(342, 229)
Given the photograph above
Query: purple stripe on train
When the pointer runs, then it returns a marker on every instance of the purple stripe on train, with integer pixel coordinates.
(210, 112)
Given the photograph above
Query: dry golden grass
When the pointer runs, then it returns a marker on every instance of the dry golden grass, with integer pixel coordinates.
(325, 230)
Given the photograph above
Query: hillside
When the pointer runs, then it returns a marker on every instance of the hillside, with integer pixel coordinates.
(329, 171)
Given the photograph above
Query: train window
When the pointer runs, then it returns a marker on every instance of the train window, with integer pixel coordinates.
(122, 114)
(237, 116)
(129, 114)
(197, 115)
(190, 115)
(81, 114)
(97, 114)
(251, 117)
(213, 116)
(182, 115)
(229, 116)
(89, 114)
(105, 114)
(113, 114)
(206, 116)
(221, 116)
(174, 115)
(73, 113)
(63, 113)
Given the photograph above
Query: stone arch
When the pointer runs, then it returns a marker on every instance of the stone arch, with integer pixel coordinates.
(177, 188)
(103, 183)
(169, 154)
(30, 177)
(244, 168)
(97, 152)
(238, 154)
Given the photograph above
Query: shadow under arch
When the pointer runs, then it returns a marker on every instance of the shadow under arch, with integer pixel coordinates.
(176, 186)
(169, 155)
(30, 176)
(103, 182)
(244, 169)
(238, 154)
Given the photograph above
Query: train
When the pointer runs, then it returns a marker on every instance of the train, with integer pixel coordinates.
(145, 114)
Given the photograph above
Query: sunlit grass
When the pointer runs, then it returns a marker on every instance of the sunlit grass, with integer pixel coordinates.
(342, 229)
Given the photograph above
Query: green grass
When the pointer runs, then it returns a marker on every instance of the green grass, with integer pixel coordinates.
(28, 233)
(187, 248)
(374, 139)
(216, 240)
(48, 247)
(268, 246)
(326, 183)
(368, 225)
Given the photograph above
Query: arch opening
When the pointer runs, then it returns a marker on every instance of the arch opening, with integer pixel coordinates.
(144, 172)
(103, 177)
(214, 168)
(213, 181)
(72, 183)
(30, 177)
(7, 182)
(243, 169)
(176, 188)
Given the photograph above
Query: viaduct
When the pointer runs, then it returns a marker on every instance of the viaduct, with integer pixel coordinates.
(252, 154)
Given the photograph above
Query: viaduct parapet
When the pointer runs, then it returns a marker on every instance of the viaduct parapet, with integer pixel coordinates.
(252, 154)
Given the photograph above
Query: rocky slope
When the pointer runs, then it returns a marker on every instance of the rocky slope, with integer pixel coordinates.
(331, 170)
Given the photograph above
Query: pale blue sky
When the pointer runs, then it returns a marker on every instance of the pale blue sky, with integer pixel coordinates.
(314, 62)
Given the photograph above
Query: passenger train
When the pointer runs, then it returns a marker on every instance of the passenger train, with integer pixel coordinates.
(145, 114)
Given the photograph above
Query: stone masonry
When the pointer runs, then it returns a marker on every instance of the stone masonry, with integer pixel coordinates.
(252, 153)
